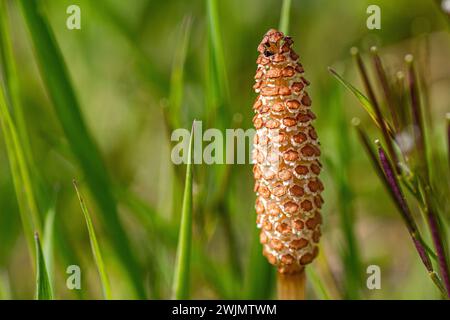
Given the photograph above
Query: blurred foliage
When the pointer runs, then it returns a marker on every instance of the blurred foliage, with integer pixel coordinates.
(141, 68)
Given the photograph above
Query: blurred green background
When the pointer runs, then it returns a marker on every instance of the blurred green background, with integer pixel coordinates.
(127, 70)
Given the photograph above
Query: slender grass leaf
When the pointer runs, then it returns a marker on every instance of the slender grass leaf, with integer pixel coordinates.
(340, 169)
(21, 177)
(67, 253)
(326, 276)
(177, 76)
(58, 84)
(94, 246)
(219, 115)
(284, 20)
(14, 92)
(387, 89)
(421, 147)
(217, 84)
(182, 266)
(12, 81)
(48, 243)
(387, 134)
(361, 98)
(317, 284)
(257, 269)
(172, 111)
(44, 289)
(166, 233)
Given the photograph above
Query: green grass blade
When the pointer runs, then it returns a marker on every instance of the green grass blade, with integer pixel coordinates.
(217, 84)
(61, 92)
(340, 168)
(48, 243)
(219, 115)
(182, 266)
(44, 289)
(361, 97)
(177, 76)
(258, 268)
(166, 234)
(317, 284)
(363, 100)
(48, 238)
(67, 254)
(12, 81)
(94, 246)
(284, 20)
(20, 174)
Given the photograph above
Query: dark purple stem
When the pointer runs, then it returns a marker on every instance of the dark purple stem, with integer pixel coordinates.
(392, 181)
(379, 115)
(440, 250)
(372, 156)
(400, 201)
(423, 254)
(382, 77)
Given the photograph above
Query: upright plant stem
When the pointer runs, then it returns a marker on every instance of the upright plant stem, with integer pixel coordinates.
(387, 90)
(371, 93)
(95, 248)
(12, 81)
(417, 117)
(400, 201)
(182, 267)
(351, 255)
(436, 235)
(21, 176)
(44, 290)
(291, 286)
(284, 19)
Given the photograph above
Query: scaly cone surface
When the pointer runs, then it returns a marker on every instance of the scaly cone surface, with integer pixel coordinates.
(286, 158)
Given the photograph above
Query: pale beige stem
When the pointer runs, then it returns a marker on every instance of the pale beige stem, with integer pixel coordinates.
(291, 286)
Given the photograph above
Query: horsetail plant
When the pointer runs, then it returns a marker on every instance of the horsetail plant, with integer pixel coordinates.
(286, 157)
(402, 161)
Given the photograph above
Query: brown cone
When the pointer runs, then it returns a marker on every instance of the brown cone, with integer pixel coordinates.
(286, 157)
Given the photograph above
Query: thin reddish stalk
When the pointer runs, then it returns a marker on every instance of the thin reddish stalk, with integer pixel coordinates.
(419, 132)
(376, 106)
(438, 242)
(403, 207)
(387, 90)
